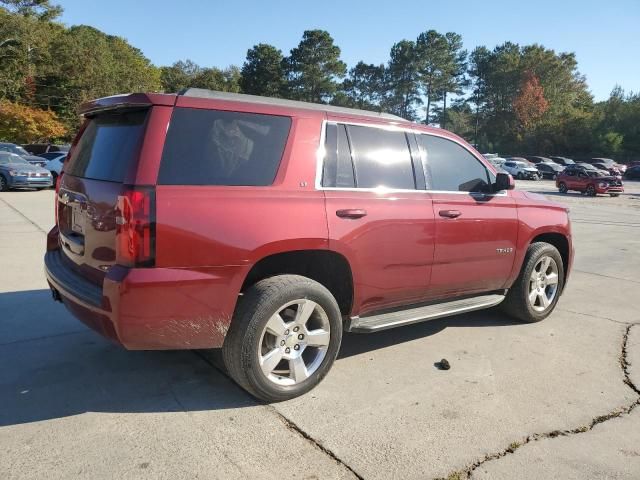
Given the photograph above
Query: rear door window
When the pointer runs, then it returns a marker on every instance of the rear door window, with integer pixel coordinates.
(109, 146)
(215, 147)
(381, 158)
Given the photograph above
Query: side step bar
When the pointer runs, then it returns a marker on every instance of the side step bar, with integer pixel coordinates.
(383, 321)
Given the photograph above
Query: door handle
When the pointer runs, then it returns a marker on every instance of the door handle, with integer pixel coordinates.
(351, 213)
(450, 213)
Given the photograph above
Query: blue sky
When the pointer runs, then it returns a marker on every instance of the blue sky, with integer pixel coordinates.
(605, 35)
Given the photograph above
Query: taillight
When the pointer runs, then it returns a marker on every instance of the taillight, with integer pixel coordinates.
(135, 227)
(55, 206)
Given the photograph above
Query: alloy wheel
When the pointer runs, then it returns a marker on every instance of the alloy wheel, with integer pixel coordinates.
(294, 342)
(543, 284)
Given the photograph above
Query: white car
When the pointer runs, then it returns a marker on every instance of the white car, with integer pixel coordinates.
(521, 170)
(54, 165)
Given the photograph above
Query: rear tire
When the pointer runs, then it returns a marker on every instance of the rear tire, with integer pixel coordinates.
(536, 291)
(562, 188)
(284, 337)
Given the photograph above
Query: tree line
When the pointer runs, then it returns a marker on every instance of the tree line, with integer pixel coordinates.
(511, 99)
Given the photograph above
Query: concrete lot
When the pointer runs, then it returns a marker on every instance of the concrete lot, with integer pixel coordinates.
(557, 399)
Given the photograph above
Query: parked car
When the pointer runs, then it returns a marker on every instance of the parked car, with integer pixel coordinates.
(563, 161)
(549, 170)
(610, 169)
(243, 226)
(609, 163)
(589, 182)
(16, 172)
(52, 155)
(497, 161)
(537, 160)
(633, 173)
(18, 150)
(521, 170)
(40, 148)
(54, 165)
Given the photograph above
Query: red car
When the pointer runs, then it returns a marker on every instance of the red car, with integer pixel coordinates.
(269, 227)
(588, 182)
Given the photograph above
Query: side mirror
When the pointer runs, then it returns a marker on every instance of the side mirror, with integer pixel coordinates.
(504, 181)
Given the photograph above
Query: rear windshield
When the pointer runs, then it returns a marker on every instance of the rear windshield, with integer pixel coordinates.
(108, 147)
(214, 147)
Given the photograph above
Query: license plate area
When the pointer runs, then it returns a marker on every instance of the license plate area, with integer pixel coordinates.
(77, 219)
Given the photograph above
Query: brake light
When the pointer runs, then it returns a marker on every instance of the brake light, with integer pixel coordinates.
(56, 204)
(135, 227)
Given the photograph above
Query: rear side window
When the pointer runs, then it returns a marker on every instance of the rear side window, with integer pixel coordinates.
(381, 158)
(450, 167)
(109, 146)
(214, 147)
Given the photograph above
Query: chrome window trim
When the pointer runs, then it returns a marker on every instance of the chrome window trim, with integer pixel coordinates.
(321, 153)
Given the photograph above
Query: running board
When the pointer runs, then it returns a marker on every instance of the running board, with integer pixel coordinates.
(383, 321)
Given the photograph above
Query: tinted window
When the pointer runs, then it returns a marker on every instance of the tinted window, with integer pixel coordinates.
(382, 158)
(214, 147)
(510, 164)
(337, 167)
(450, 167)
(108, 147)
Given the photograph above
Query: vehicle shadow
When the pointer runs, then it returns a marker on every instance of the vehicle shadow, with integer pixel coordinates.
(54, 367)
(356, 344)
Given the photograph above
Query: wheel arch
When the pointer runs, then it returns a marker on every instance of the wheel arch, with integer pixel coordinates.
(561, 242)
(327, 267)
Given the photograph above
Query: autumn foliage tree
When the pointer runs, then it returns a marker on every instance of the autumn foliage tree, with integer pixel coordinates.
(24, 124)
(530, 104)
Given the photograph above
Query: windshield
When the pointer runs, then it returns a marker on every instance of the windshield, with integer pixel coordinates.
(6, 158)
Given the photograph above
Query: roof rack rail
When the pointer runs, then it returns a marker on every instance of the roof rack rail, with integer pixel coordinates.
(280, 102)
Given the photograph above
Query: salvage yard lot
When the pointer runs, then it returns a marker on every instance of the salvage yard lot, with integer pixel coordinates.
(553, 399)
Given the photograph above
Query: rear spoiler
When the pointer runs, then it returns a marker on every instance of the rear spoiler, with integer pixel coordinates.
(126, 101)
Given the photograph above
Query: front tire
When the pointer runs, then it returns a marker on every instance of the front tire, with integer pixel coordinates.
(614, 194)
(536, 291)
(562, 188)
(591, 191)
(284, 337)
(520, 175)
(4, 185)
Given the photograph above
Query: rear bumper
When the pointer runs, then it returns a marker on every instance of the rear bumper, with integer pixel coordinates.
(151, 308)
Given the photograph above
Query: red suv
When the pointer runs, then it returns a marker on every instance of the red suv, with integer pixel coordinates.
(588, 182)
(269, 227)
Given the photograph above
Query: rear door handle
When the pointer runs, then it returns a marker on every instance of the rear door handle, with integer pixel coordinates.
(351, 213)
(450, 213)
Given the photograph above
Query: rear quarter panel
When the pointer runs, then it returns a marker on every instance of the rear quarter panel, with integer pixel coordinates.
(208, 237)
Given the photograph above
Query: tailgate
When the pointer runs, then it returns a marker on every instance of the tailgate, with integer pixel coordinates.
(105, 156)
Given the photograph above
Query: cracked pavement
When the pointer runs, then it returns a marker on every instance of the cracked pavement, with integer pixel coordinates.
(557, 399)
